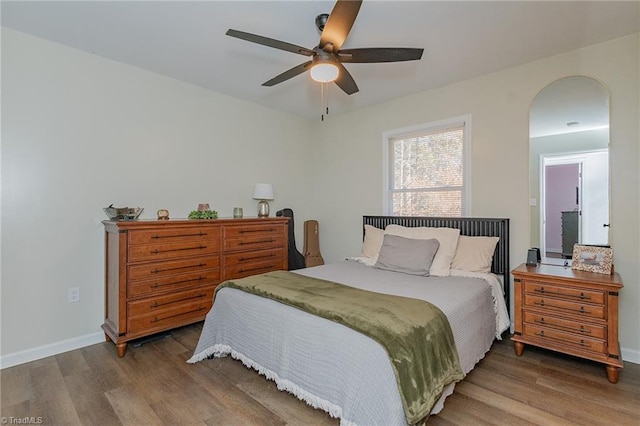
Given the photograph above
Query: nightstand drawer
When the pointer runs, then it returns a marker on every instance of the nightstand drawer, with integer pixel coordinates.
(564, 306)
(566, 293)
(579, 328)
(557, 337)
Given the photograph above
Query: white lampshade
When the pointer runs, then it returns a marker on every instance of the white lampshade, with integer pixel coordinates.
(324, 72)
(263, 191)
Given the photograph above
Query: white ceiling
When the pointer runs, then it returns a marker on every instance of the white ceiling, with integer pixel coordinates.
(186, 40)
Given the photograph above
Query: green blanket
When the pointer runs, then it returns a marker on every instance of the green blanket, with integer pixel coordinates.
(416, 334)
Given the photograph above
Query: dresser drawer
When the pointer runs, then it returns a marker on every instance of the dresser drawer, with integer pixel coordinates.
(171, 235)
(579, 328)
(169, 311)
(173, 283)
(557, 337)
(151, 252)
(156, 270)
(256, 262)
(566, 293)
(254, 237)
(566, 307)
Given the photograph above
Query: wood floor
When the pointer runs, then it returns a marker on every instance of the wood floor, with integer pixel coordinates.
(153, 384)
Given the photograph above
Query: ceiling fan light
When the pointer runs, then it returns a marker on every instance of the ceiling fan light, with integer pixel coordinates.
(324, 72)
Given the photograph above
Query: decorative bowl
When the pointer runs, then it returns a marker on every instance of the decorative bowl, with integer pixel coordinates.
(123, 213)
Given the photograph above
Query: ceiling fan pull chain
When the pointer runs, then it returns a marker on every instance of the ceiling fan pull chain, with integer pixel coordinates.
(326, 98)
(323, 88)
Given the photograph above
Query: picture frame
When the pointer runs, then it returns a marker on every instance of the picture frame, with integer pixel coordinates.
(598, 259)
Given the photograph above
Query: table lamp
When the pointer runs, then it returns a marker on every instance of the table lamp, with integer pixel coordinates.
(263, 192)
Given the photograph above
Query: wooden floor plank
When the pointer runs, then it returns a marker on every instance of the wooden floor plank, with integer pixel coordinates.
(90, 401)
(131, 406)
(510, 411)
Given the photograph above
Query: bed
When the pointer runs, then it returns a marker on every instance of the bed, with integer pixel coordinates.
(348, 374)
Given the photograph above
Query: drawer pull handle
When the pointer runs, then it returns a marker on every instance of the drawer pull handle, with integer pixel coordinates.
(257, 269)
(268, 256)
(582, 296)
(200, 278)
(157, 305)
(581, 330)
(582, 310)
(157, 271)
(156, 251)
(242, 243)
(156, 319)
(581, 343)
(248, 231)
(199, 234)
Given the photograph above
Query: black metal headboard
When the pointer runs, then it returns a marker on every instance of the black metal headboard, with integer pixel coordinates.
(471, 226)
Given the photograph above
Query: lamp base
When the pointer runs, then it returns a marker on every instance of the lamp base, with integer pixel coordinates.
(263, 208)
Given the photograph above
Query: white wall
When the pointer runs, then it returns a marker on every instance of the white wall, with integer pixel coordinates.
(348, 172)
(80, 132)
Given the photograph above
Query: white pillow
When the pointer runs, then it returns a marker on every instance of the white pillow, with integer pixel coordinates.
(474, 254)
(373, 238)
(447, 237)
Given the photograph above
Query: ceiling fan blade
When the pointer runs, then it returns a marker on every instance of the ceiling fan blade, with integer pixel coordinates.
(339, 24)
(288, 74)
(345, 81)
(380, 54)
(266, 41)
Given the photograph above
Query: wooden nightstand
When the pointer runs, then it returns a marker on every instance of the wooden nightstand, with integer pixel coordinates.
(573, 312)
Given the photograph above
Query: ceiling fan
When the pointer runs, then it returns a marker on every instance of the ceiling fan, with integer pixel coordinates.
(327, 57)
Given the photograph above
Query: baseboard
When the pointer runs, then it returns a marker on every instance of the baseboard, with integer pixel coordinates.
(630, 355)
(51, 349)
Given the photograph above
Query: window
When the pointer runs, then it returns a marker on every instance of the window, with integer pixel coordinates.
(427, 169)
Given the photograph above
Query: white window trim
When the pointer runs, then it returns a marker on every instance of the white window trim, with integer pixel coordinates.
(463, 120)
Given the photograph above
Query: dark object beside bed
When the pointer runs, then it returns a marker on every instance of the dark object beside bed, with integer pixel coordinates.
(469, 226)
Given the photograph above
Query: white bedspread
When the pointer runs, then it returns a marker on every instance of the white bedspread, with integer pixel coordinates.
(332, 367)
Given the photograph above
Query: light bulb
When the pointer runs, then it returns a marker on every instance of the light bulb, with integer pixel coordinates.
(324, 72)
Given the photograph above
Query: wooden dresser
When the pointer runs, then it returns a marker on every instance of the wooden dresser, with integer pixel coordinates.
(569, 311)
(161, 274)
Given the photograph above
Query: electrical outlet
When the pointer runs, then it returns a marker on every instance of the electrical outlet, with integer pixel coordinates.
(74, 294)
